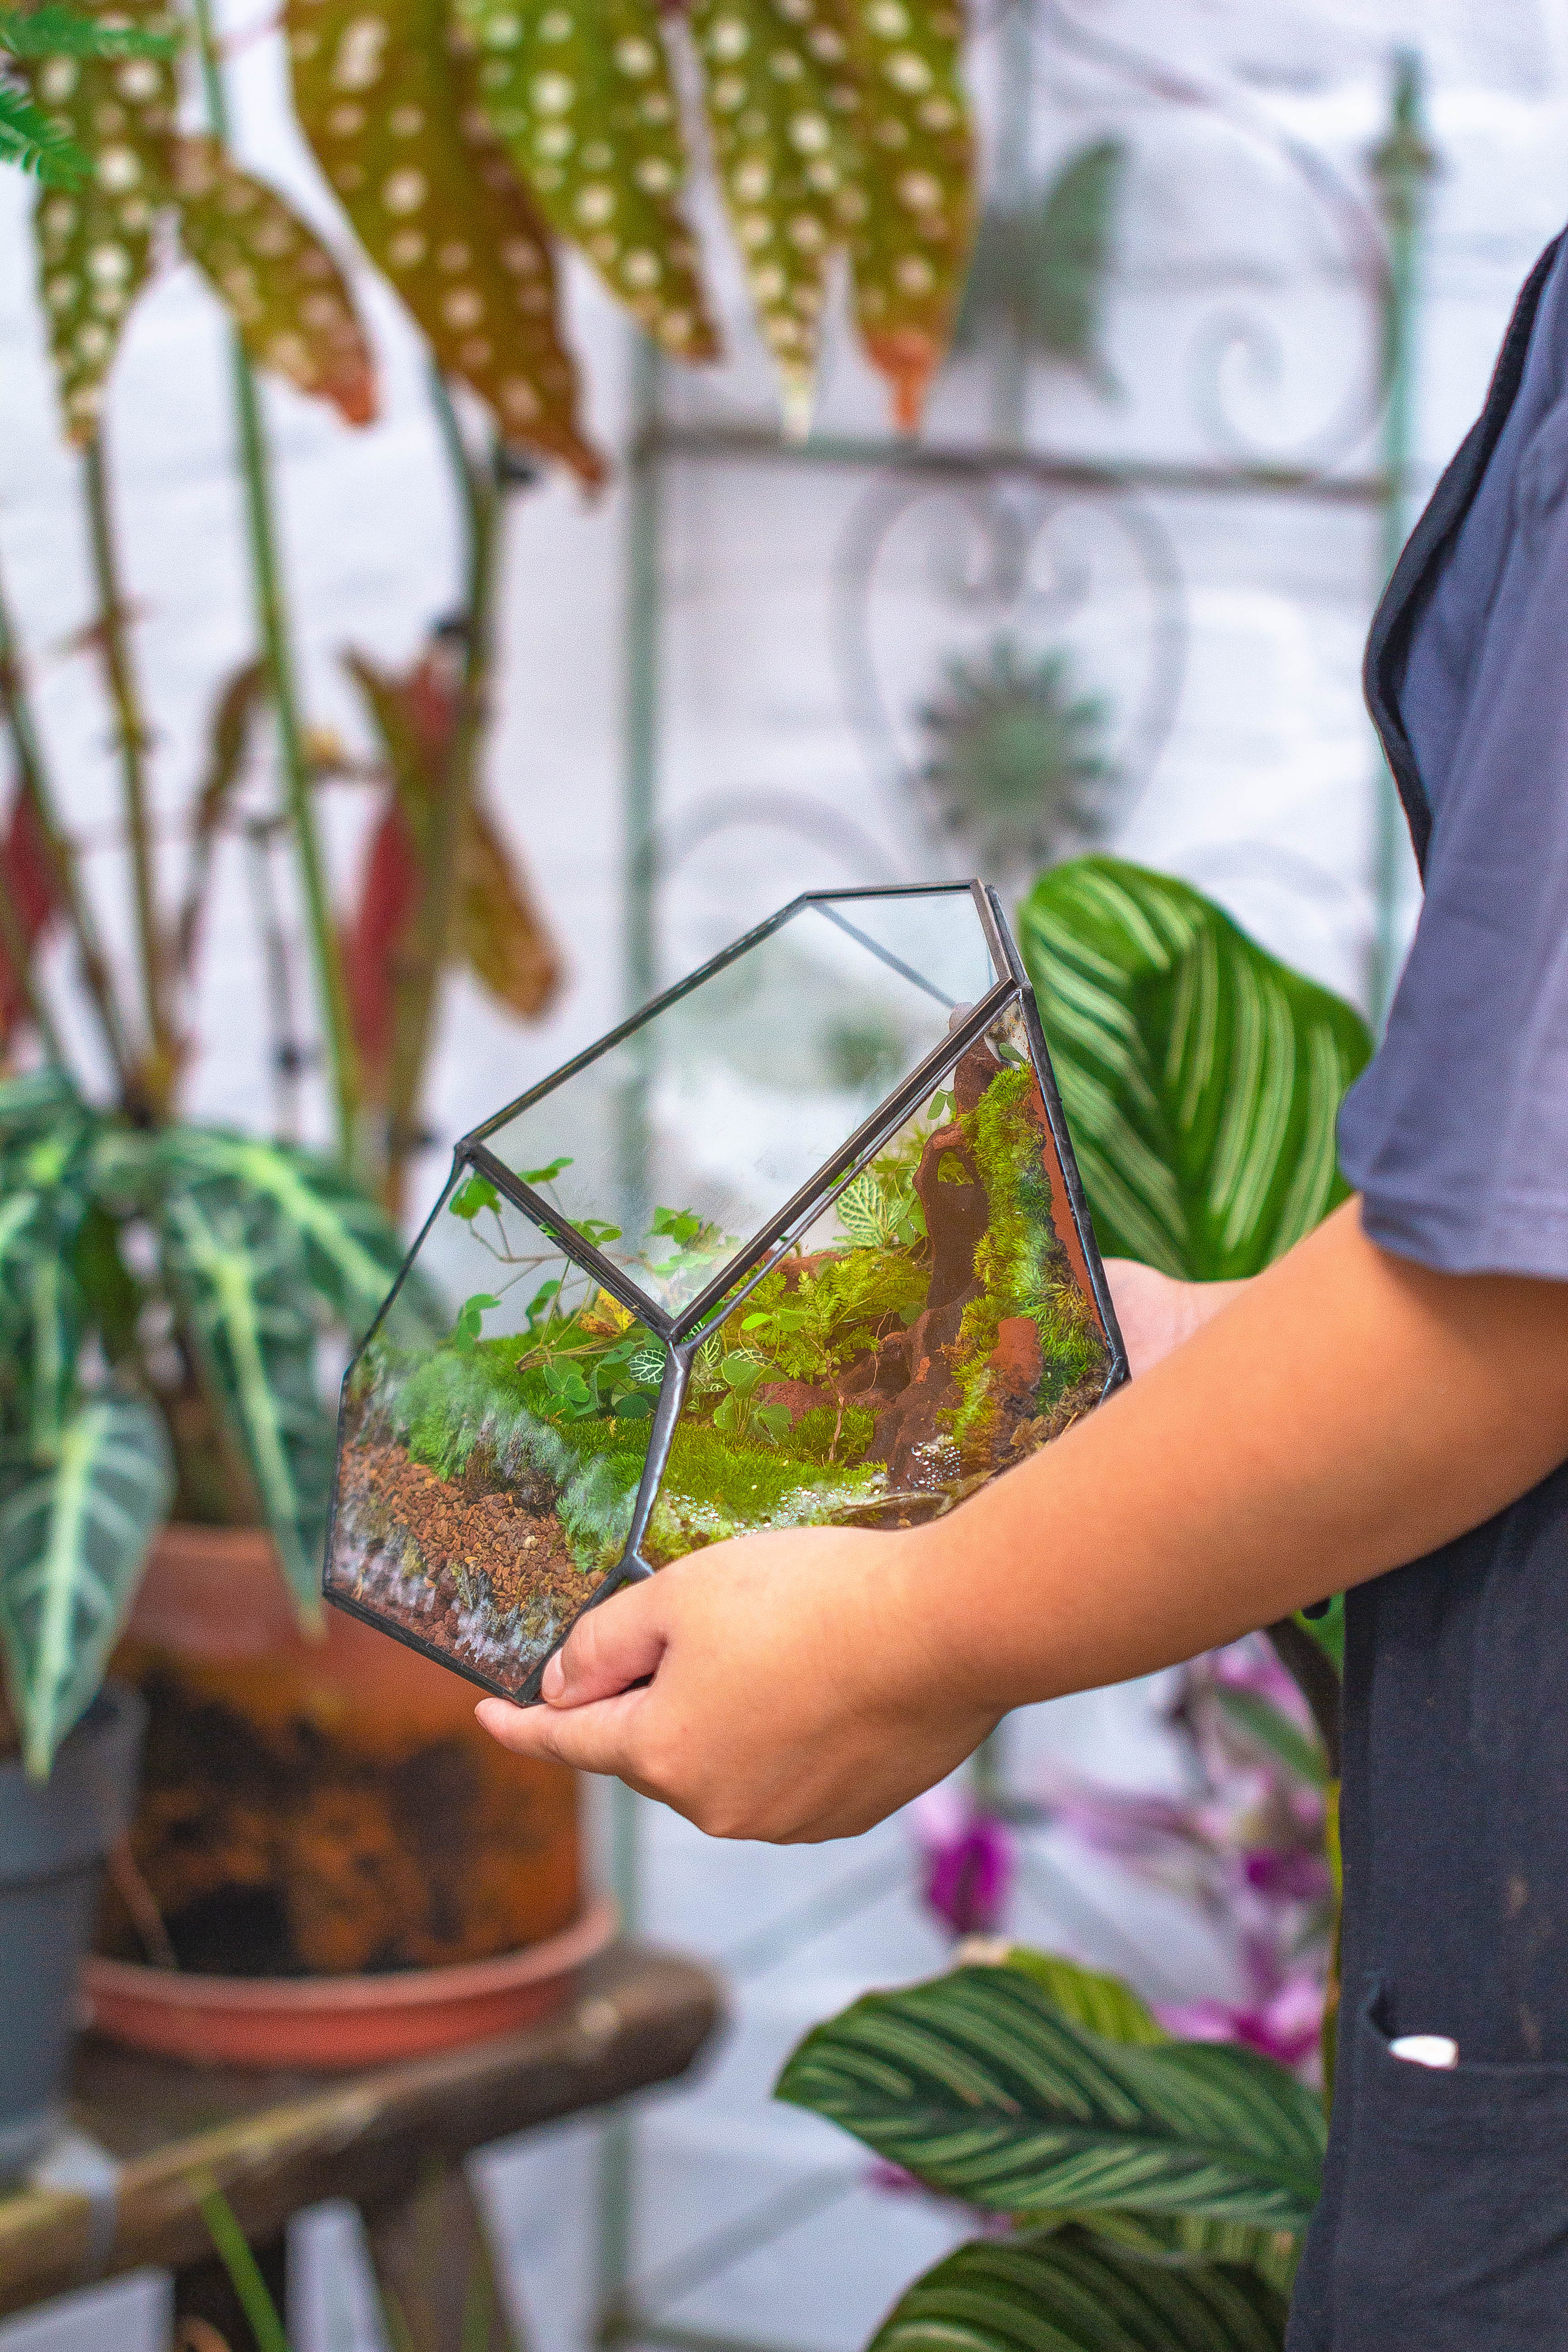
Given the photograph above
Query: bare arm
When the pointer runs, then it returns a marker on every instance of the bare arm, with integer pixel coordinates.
(1342, 1413)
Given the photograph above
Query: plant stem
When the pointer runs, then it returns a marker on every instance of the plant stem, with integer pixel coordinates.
(441, 849)
(132, 728)
(33, 778)
(272, 625)
(244, 2272)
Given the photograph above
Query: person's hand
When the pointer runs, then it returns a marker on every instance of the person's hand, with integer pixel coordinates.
(803, 1686)
(1156, 1312)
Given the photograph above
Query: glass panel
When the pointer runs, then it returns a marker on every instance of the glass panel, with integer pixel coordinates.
(673, 1149)
(934, 1327)
(493, 1436)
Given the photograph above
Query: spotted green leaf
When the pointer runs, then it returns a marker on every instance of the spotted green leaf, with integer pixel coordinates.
(94, 241)
(1072, 2292)
(276, 278)
(73, 1539)
(782, 103)
(914, 213)
(1201, 1077)
(581, 94)
(978, 2085)
(391, 111)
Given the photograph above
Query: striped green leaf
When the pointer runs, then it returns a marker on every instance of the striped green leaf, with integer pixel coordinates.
(1201, 1077)
(1070, 2292)
(73, 1539)
(1084, 1997)
(978, 2085)
(349, 1249)
(238, 1271)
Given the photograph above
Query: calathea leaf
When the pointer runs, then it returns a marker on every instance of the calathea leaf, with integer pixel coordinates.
(581, 95)
(277, 281)
(914, 204)
(73, 1539)
(392, 113)
(781, 102)
(978, 2085)
(94, 242)
(1083, 1996)
(1201, 1077)
(1072, 2291)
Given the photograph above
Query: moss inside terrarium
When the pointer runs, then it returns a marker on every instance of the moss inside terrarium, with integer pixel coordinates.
(928, 1332)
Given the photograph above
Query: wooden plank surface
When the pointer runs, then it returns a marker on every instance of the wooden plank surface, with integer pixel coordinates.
(273, 2143)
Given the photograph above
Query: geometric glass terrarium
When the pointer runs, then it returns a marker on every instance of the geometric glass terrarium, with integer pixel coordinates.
(802, 1244)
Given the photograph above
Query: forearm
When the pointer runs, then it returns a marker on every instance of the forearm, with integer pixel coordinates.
(1344, 1412)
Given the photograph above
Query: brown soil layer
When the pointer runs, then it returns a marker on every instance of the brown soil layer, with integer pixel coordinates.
(455, 1562)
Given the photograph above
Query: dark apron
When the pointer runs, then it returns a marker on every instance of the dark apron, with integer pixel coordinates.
(1443, 2223)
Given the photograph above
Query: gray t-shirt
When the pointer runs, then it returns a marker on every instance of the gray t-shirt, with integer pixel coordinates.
(1457, 1135)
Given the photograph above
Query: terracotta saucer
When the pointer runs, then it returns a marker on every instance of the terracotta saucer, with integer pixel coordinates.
(332, 2024)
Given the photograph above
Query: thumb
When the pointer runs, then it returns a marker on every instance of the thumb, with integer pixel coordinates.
(610, 1648)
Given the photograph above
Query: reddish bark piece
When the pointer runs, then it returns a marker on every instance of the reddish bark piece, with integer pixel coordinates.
(797, 1397)
(1014, 1364)
(955, 1214)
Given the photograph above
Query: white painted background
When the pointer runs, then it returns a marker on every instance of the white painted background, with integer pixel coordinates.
(1263, 797)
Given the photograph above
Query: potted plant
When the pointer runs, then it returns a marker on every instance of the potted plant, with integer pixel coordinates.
(1132, 2186)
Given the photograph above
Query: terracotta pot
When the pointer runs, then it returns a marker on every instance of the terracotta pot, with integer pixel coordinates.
(334, 2023)
(327, 1806)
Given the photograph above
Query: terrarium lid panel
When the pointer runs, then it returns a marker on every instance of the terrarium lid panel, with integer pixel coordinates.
(673, 1145)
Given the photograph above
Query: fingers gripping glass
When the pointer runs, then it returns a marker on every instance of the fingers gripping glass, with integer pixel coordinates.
(802, 1245)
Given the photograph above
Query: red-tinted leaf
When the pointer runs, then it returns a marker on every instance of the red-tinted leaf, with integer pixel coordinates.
(277, 281)
(391, 111)
(504, 936)
(377, 938)
(29, 878)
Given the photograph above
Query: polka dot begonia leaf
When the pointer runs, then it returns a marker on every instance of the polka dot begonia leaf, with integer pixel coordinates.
(94, 242)
(275, 277)
(915, 226)
(391, 109)
(581, 94)
(782, 105)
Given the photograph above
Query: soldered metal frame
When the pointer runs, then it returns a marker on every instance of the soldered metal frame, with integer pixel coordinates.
(684, 1333)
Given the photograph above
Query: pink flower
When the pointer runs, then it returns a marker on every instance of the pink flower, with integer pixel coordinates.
(968, 1860)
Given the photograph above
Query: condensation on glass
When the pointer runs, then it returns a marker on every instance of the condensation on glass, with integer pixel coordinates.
(801, 1244)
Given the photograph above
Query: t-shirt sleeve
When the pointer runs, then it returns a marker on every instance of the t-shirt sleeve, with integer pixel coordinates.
(1456, 1134)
